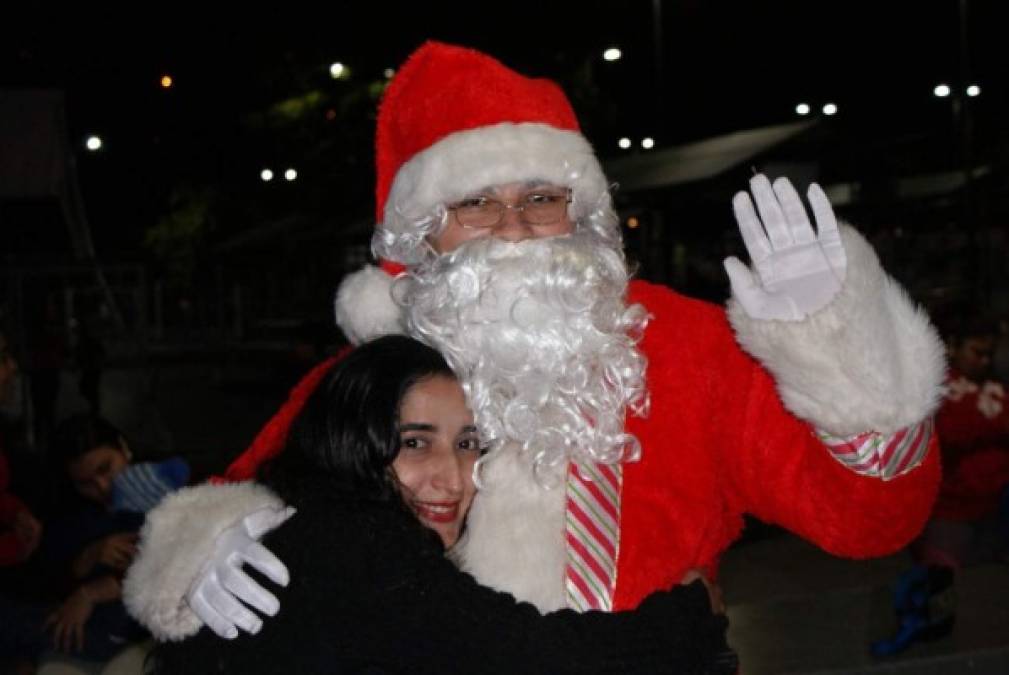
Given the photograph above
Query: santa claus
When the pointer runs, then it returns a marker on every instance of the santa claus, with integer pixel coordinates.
(631, 427)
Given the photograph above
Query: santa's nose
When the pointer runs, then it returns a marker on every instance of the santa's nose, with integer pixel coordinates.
(513, 227)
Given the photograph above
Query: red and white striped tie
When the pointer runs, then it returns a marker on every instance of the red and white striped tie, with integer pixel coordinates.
(592, 534)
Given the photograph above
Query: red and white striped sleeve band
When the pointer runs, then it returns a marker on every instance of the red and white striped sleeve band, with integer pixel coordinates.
(883, 456)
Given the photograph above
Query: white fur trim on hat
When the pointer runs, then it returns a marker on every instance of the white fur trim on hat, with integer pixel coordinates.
(868, 361)
(471, 160)
(176, 541)
(364, 306)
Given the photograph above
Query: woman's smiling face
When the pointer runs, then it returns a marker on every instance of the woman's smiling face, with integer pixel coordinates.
(438, 446)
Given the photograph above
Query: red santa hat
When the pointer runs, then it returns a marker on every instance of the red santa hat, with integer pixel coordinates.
(454, 121)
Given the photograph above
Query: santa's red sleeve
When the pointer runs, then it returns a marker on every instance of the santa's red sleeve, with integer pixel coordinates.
(822, 426)
(836, 437)
(783, 474)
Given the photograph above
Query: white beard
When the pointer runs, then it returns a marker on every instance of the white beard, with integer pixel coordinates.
(545, 346)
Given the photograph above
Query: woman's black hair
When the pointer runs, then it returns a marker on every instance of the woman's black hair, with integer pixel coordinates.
(348, 428)
(79, 434)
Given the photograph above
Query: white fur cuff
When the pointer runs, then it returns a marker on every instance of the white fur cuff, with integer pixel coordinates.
(364, 306)
(868, 361)
(175, 542)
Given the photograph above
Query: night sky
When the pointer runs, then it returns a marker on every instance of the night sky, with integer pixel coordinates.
(724, 66)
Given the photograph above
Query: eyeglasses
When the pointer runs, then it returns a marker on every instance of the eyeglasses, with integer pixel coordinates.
(540, 207)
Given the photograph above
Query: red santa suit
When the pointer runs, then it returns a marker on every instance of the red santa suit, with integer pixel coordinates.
(822, 426)
(717, 443)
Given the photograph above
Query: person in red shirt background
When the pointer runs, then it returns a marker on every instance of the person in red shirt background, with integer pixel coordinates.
(973, 428)
(969, 523)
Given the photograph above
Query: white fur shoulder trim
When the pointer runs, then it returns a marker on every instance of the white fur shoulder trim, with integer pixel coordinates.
(868, 361)
(176, 540)
(364, 306)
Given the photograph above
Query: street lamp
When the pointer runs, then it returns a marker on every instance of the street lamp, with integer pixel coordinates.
(93, 143)
(612, 54)
(338, 71)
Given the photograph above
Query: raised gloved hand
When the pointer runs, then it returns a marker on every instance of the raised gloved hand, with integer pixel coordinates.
(221, 584)
(798, 271)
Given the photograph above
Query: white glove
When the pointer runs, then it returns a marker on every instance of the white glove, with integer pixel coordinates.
(798, 271)
(215, 594)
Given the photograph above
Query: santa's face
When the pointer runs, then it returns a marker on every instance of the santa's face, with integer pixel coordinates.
(438, 446)
(514, 225)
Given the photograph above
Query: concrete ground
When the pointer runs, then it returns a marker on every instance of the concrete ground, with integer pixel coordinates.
(795, 609)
